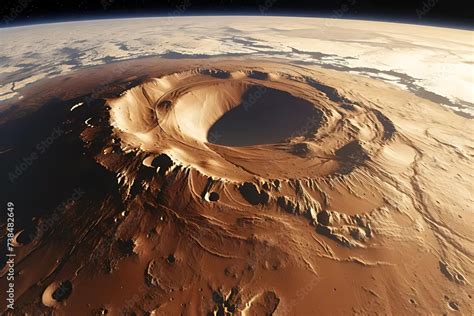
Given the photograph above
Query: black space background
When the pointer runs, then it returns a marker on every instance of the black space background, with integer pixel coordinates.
(453, 13)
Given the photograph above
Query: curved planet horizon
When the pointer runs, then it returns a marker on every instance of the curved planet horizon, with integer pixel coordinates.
(238, 166)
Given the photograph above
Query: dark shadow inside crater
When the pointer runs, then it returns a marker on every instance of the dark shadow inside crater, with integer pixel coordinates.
(265, 116)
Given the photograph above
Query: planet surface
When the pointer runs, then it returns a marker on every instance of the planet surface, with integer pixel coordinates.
(238, 166)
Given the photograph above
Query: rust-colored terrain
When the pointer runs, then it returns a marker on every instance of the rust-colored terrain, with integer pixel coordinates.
(237, 187)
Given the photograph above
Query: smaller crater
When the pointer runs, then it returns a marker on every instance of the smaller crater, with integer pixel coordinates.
(453, 305)
(214, 196)
(24, 237)
(63, 291)
(163, 162)
(56, 293)
(171, 259)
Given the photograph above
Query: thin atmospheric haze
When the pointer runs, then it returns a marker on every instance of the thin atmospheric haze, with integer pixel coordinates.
(227, 158)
